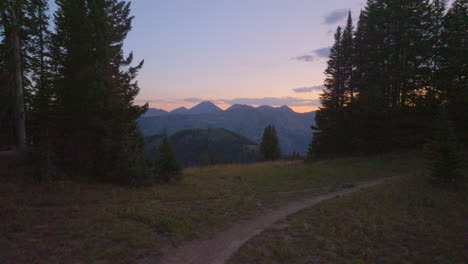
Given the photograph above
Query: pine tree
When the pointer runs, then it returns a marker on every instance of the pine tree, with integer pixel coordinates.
(6, 91)
(406, 59)
(435, 87)
(454, 64)
(330, 135)
(269, 147)
(40, 93)
(347, 47)
(95, 87)
(443, 154)
(359, 57)
(166, 167)
(12, 20)
(390, 73)
(333, 96)
(75, 86)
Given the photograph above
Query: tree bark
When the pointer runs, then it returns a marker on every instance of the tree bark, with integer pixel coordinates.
(19, 112)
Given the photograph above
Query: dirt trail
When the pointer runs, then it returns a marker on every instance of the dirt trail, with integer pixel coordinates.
(217, 250)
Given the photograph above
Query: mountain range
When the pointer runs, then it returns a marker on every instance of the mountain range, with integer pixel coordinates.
(201, 108)
(293, 128)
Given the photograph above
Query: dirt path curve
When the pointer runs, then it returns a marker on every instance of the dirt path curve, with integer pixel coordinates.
(217, 250)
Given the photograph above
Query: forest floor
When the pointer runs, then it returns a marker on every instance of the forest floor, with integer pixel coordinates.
(70, 222)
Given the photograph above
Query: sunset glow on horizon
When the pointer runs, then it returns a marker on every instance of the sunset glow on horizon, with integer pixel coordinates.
(168, 104)
(255, 52)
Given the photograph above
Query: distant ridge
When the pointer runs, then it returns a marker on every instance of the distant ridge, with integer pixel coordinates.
(240, 107)
(209, 107)
(293, 128)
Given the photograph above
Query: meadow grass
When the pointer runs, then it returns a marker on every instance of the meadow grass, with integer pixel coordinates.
(406, 220)
(70, 222)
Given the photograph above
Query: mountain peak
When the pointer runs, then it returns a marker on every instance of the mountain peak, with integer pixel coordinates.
(180, 110)
(286, 108)
(154, 112)
(239, 107)
(265, 107)
(205, 103)
(204, 107)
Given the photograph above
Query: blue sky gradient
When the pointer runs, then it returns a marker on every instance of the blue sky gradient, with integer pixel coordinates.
(225, 50)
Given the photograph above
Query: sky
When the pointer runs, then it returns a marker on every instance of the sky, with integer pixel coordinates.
(256, 52)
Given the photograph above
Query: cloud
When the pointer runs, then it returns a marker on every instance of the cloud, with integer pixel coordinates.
(314, 55)
(306, 58)
(143, 101)
(323, 52)
(194, 100)
(275, 101)
(335, 16)
(308, 89)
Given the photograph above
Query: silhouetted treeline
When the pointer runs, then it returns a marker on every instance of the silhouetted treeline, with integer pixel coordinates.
(388, 77)
(79, 88)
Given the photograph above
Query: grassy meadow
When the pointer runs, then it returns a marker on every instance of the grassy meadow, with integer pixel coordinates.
(405, 220)
(69, 222)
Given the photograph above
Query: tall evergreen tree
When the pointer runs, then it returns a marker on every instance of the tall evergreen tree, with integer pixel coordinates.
(6, 92)
(330, 134)
(434, 82)
(12, 20)
(333, 96)
(347, 46)
(394, 40)
(454, 65)
(40, 93)
(95, 90)
(269, 147)
(398, 55)
(443, 154)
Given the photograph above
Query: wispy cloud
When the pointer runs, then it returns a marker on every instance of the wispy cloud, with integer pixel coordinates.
(308, 89)
(314, 55)
(322, 53)
(306, 58)
(275, 101)
(194, 100)
(335, 16)
(143, 101)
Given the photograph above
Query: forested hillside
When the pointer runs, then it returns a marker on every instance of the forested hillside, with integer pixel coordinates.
(207, 147)
(293, 128)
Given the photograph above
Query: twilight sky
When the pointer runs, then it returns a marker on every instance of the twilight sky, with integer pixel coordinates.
(256, 52)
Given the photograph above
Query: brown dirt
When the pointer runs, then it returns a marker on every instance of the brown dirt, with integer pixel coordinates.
(218, 249)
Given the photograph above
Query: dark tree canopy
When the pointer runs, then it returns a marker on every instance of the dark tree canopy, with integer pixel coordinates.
(387, 78)
(79, 87)
(444, 154)
(269, 147)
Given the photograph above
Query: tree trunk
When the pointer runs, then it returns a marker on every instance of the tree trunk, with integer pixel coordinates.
(19, 96)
